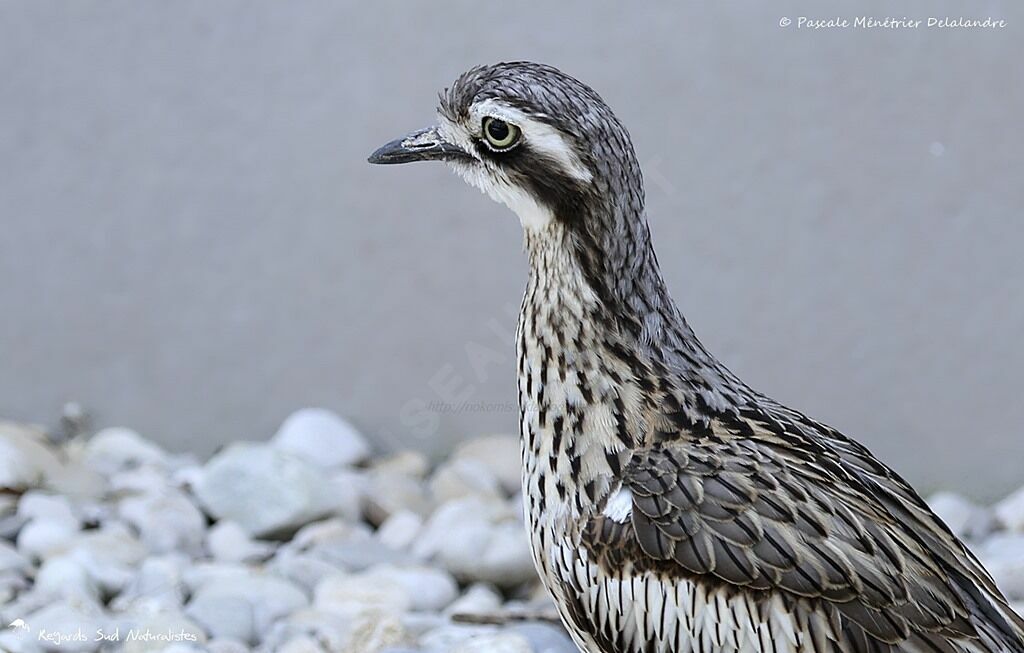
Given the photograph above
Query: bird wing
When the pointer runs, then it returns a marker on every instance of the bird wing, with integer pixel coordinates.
(759, 507)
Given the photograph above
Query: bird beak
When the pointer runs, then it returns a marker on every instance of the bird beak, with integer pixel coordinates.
(421, 145)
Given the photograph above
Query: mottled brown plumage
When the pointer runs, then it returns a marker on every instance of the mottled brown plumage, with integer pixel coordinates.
(671, 507)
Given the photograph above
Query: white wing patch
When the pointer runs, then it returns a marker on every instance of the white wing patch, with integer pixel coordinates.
(620, 506)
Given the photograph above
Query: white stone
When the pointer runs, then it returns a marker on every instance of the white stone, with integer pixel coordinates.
(187, 477)
(227, 541)
(36, 504)
(244, 607)
(110, 555)
(357, 555)
(327, 531)
(450, 637)
(116, 449)
(545, 637)
(495, 643)
(478, 540)
(1003, 556)
(461, 478)
(159, 581)
(416, 624)
(266, 490)
(139, 480)
(374, 631)
(166, 521)
(303, 569)
(342, 544)
(301, 644)
(389, 492)
(1009, 576)
(400, 530)
(12, 584)
(500, 453)
(224, 616)
(12, 560)
(322, 438)
(963, 517)
(478, 599)
(226, 645)
(351, 595)
(66, 577)
(347, 491)
(330, 630)
(41, 538)
(26, 458)
(77, 480)
(428, 588)
(406, 462)
(1010, 511)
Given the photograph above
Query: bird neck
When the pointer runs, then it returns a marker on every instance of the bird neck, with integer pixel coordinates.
(602, 294)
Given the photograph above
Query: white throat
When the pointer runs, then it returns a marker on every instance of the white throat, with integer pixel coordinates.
(533, 215)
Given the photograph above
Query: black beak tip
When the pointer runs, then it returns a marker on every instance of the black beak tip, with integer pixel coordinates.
(383, 154)
(421, 145)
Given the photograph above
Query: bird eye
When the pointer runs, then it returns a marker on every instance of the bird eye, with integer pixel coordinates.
(499, 134)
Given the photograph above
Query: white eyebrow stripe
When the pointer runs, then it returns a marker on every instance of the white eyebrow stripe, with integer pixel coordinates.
(541, 136)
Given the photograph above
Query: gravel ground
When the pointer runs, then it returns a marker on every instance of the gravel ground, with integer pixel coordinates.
(303, 544)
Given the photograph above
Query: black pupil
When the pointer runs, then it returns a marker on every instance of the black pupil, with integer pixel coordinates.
(497, 130)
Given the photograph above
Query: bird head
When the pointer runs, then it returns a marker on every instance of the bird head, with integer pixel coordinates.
(534, 139)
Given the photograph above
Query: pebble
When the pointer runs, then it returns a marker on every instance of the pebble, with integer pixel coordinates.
(117, 449)
(429, 589)
(227, 541)
(321, 438)
(265, 490)
(496, 643)
(463, 478)
(65, 577)
(351, 595)
(41, 538)
(964, 518)
(166, 521)
(302, 544)
(25, 459)
(478, 540)
(399, 530)
(245, 606)
(1010, 511)
(479, 599)
(110, 554)
(1003, 556)
(159, 581)
(303, 569)
(546, 638)
(500, 454)
(329, 630)
(389, 491)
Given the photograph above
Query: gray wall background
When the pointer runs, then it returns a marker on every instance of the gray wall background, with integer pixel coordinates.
(192, 244)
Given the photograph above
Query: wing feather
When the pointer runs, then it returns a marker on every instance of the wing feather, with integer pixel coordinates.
(780, 516)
